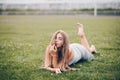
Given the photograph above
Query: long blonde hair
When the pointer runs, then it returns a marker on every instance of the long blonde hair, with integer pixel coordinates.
(64, 49)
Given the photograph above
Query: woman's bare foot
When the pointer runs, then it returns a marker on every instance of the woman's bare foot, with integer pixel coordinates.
(93, 49)
(80, 29)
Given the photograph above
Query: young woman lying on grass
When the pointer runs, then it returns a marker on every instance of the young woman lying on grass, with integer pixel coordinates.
(60, 54)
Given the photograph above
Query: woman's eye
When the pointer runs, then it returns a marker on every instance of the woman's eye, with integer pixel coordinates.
(60, 38)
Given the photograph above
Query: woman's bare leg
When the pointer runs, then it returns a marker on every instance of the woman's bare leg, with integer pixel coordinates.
(84, 41)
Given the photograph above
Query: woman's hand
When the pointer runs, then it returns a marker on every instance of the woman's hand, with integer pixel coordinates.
(57, 71)
(53, 50)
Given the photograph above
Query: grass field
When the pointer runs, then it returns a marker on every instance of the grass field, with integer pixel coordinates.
(23, 40)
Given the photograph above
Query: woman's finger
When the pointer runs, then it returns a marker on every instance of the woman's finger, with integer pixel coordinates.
(52, 47)
(55, 48)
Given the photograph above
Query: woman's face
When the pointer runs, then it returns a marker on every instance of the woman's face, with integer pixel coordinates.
(59, 40)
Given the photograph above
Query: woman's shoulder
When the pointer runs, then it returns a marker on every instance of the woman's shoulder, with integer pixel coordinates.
(70, 51)
(70, 55)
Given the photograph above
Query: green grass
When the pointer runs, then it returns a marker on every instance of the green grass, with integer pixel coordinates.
(23, 40)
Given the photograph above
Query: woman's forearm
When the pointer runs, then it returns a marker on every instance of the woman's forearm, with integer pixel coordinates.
(55, 61)
(50, 69)
(55, 70)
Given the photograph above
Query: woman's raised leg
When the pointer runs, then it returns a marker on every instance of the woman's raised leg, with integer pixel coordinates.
(84, 41)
